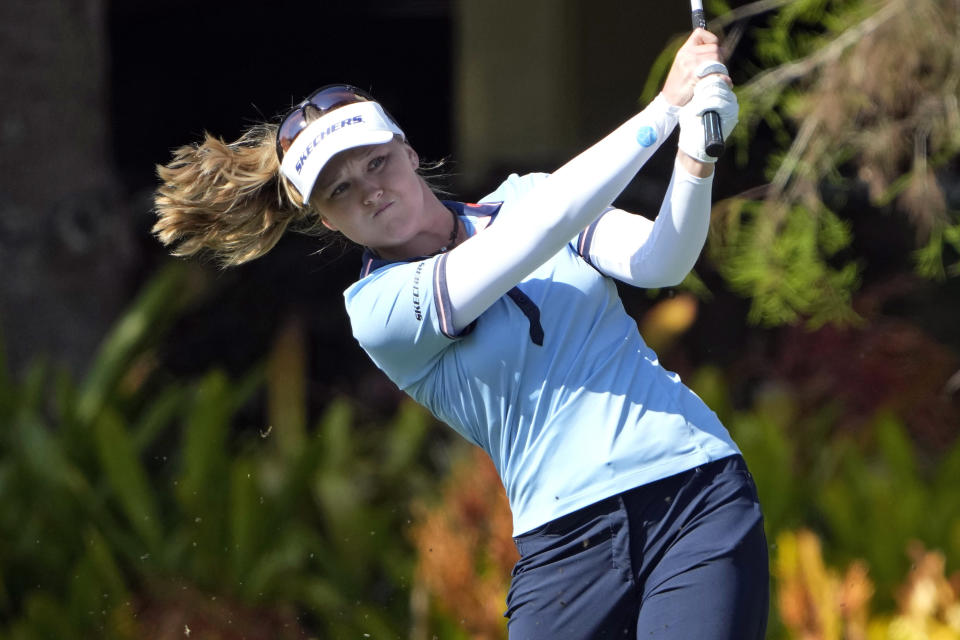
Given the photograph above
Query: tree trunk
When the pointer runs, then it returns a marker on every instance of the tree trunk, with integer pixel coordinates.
(64, 241)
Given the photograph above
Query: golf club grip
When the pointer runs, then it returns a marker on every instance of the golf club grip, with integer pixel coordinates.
(712, 133)
(699, 21)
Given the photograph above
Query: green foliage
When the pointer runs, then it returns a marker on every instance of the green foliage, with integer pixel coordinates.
(867, 497)
(119, 490)
(782, 260)
(796, 28)
(884, 491)
(930, 258)
(126, 478)
(146, 319)
(838, 94)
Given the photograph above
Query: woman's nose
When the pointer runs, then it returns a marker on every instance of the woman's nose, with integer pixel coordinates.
(371, 192)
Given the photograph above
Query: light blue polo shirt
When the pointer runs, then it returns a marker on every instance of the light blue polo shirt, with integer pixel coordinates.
(587, 414)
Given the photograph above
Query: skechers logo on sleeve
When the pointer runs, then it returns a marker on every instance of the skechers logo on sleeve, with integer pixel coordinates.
(336, 126)
(416, 293)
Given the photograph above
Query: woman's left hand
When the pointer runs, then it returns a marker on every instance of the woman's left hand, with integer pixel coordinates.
(700, 48)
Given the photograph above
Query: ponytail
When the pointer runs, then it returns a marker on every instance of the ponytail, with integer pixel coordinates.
(228, 199)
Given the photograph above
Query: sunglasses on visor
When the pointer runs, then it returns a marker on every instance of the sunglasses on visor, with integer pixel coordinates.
(320, 102)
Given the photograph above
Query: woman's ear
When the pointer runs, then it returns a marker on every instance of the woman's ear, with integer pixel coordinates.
(412, 156)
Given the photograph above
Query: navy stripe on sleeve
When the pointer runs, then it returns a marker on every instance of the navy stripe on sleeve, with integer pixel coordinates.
(585, 239)
(441, 298)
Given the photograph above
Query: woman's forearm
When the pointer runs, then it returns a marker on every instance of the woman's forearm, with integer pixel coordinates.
(694, 167)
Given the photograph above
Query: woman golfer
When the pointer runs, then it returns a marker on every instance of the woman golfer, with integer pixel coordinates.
(633, 511)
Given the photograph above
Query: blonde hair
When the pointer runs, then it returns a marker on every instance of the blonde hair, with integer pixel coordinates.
(228, 199)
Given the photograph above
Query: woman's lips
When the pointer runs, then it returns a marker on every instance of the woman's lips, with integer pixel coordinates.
(382, 209)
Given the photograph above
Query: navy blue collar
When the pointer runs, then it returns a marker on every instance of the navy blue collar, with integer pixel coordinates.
(370, 261)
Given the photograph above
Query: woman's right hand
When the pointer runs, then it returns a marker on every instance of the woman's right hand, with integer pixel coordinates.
(700, 48)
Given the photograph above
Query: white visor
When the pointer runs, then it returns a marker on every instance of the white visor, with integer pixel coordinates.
(349, 126)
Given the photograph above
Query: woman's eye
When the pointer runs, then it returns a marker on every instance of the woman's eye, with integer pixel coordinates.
(378, 161)
(339, 189)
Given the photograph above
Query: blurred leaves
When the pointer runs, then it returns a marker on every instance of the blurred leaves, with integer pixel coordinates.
(782, 258)
(667, 321)
(125, 494)
(850, 108)
(127, 478)
(815, 601)
(158, 304)
(465, 552)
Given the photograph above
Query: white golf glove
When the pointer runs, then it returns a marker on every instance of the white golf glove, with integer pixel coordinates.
(710, 94)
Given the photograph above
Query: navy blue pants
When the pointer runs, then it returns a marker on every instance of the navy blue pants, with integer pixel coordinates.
(684, 557)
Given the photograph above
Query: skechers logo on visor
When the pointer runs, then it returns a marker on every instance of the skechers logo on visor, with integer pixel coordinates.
(336, 126)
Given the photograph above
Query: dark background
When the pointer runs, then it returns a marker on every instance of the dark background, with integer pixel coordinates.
(75, 241)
